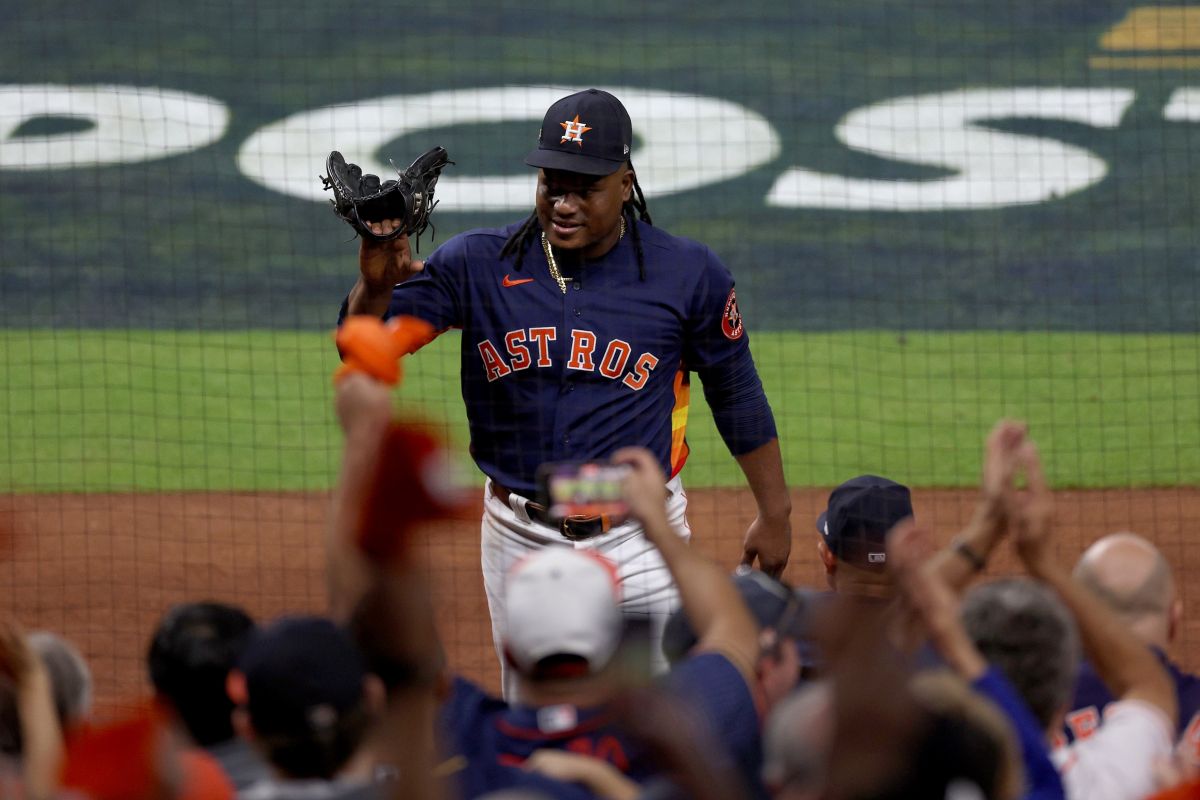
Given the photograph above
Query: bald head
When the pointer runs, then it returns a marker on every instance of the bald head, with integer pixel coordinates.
(1134, 579)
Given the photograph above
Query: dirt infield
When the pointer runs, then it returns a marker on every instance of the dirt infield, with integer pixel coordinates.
(101, 568)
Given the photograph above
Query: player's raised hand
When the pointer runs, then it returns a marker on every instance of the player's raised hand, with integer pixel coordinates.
(387, 263)
(644, 487)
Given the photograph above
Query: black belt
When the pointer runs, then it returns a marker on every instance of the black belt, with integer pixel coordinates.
(576, 528)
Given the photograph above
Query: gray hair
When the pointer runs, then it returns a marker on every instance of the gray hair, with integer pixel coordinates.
(70, 683)
(1025, 631)
(70, 678)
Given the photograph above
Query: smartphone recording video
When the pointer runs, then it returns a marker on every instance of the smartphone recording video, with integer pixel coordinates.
(584, 489)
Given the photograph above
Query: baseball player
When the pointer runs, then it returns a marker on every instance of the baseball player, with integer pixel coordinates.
(580, 327)
(564, 638)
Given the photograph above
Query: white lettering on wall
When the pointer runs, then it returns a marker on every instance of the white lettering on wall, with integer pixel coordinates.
(685, 141)
(128, 124)
(992, 168)
(1184, 105)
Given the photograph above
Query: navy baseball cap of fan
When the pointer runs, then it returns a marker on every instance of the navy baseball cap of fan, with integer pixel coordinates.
(301, 675)
(772, 603)
(860, 513)
(588, 132)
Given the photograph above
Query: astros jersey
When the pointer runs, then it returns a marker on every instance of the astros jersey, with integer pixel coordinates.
(1091, 697)
(548, 376)
(493, 739)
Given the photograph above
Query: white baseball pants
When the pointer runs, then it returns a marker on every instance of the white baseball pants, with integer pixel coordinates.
(647, 590)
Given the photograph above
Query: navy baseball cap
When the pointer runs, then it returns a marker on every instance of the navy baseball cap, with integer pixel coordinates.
(772, 603)
(860, 513)
(588, 132)
(301, 675)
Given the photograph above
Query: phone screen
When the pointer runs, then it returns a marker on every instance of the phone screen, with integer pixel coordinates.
(584, 489)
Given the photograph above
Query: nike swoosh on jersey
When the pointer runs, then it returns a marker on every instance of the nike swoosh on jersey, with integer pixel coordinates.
(510, 282)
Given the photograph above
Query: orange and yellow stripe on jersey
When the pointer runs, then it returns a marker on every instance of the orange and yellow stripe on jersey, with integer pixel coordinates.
(679, 418)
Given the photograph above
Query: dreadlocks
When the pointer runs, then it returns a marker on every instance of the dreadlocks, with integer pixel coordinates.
(633, 210)
(519, 241)
(637, 203)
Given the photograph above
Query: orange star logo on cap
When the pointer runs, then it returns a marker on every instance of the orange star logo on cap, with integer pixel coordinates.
(573, 131)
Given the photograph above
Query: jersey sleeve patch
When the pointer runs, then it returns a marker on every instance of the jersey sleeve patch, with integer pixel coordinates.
(731, 318)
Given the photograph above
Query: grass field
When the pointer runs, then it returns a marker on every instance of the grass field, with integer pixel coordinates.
(144, 410)
(164, 320)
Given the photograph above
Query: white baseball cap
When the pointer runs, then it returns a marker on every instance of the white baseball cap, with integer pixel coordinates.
(562, 601)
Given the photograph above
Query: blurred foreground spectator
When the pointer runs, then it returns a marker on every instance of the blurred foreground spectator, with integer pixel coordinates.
(30, 730)
(189, 660)
(306, 701)
(1020, 628)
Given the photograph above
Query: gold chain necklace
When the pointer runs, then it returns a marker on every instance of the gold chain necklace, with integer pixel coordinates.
(552, 262)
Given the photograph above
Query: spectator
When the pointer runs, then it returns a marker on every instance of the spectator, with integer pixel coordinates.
(1134, 579)
(70, 687)
(785, 650)
(798, 742)
(70, 677)
(306, 701)
(935, 606)
(1022, 627)
(563, 630)
(860, 513)
(190, 656)
(1008, 624)
(872, 730)
(853, 531)
(858, 708)
(140, 756)
(392, 626)
(963, 747)
(29, 726)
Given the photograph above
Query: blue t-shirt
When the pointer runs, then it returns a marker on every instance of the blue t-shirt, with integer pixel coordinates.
(710, 684)
(548, 376)
(494, 738)
(1042, 781)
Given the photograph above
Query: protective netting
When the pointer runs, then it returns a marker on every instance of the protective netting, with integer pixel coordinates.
(937, 213)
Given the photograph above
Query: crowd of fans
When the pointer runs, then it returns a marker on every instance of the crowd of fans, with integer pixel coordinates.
(908, 677)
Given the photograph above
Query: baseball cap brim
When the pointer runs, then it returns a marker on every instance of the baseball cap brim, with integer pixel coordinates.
(572, 162)
(822, 523)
